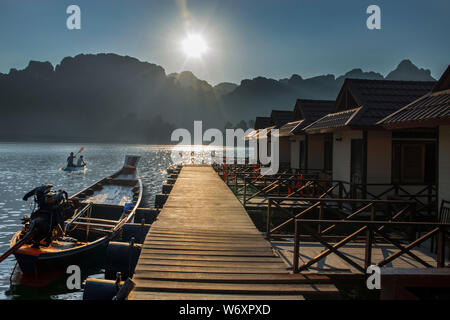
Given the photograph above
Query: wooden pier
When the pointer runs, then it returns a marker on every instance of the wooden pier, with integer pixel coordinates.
(203, 245)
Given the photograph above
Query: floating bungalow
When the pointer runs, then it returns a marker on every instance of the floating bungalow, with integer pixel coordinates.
(366, 141)
(307, 152)
(278, 119)
(426, 157)
(260, 123)
(359, 151)
(262, 132)
(296, 148)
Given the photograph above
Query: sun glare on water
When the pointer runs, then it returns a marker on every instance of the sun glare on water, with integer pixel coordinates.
(194, 46)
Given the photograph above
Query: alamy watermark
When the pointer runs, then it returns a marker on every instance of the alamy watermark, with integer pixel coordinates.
(74, 20)
(73, 281)
(373, 281)
(234, 138)
(374, 20)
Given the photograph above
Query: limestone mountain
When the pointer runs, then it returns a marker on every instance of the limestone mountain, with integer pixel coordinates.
(113, 98)
(224, 88)
(406, 70)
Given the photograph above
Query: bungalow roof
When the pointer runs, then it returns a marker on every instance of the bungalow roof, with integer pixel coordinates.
(429, 110)
(362, 103)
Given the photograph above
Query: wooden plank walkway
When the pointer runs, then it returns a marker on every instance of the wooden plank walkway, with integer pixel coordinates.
(203, 245)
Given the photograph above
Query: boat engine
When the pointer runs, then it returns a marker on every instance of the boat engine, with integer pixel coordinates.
(47, 222)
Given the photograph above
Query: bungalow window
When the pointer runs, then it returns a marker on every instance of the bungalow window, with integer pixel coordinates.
(413, 163)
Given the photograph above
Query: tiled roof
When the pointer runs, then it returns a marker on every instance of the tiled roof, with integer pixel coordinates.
(251, 135)
(333, 120)
(310, 111)
(262, 122)
(288, 129)
(380, 98)
(362, 103)
(281, 117)
(263, 133)
(443, 82)
(432, 107)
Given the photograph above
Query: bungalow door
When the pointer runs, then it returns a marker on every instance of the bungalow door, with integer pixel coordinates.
(357, 168)
(328, 153)
(302, 155)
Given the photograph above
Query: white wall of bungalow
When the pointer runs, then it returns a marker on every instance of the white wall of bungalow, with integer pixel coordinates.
(444, 163)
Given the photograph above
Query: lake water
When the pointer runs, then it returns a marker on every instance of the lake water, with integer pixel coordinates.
(25, 166)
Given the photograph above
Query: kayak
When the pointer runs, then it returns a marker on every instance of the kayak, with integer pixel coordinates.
(82, 168)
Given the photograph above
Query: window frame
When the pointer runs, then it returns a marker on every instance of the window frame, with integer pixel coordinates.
(398, 177)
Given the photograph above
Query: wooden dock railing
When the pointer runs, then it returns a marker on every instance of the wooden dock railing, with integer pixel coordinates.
(288, 186)
(248, 185)
(369, 229)
(424, 195)
(345, 208)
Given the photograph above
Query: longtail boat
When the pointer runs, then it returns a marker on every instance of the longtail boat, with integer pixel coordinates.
(91, 219)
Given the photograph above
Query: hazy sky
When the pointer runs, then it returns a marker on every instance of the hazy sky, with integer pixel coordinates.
(247, 38)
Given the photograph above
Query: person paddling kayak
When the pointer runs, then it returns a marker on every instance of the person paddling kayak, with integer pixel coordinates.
(80, 162)
(70, 160)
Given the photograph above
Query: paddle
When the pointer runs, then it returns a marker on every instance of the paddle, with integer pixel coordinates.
(18, 244)
(81, 150)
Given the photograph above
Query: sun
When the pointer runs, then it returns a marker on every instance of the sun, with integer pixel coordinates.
(194, 46)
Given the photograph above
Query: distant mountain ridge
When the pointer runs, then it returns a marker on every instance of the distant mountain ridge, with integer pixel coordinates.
(113, 98)
(406, 70)
(266, 94)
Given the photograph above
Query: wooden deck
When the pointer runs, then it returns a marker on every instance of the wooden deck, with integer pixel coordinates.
(203, 245)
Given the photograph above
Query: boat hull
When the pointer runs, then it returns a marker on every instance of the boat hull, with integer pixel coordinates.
(59, 261)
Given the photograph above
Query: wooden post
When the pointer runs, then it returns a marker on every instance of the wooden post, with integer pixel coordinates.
(389, 211)
(268, 219)
(352, 194)
(245, 191)
(368, 247)
(441, 248)
(369, 240)
(412, 218)
(429, 200)
(296, 247)
(320, 216)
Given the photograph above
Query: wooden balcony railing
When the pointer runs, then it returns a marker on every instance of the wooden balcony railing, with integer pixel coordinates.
(346, 209)
(248, 184)
(369, 229)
